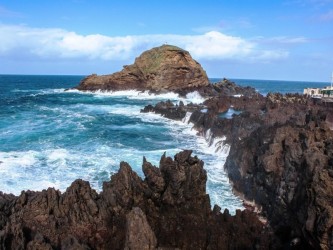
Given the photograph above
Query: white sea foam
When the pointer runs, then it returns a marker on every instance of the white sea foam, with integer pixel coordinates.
(51, 165)
(11, 159)
(136, 95)
(218, 184)
(153, 118)
(52, 91)
(146, 96)
(126, 110)
(213, 151)
(187, 117)
(24, 90)
(36, 170)
(57, 156)
(41, 92)
(75, 91)
(192, 97)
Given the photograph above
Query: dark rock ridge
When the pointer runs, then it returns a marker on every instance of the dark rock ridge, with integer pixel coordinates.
(169, 209)
(164, 68)
(281, 157)
(287, 168)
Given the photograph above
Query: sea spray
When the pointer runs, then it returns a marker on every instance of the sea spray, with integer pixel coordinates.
(187, 117)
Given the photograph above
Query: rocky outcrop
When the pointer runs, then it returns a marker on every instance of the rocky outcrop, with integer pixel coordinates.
(287, 169)
(226, 87)
(169, 209)
(209, 115)
(281, 158)
(164, 68)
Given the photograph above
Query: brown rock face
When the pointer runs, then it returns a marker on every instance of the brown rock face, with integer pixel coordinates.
(139, 234)
(164, 68)
(281, 157)
(169, 209)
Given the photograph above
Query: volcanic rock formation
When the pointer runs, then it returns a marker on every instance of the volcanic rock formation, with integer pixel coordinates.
(286, 166)
(164, 68)
(169, 209)
(281, 157)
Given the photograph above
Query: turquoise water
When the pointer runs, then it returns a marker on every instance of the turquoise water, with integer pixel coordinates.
(49, 137)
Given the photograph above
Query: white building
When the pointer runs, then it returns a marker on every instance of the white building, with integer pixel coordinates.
(313, 92)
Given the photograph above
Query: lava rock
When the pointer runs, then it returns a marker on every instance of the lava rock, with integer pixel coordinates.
(169, 209)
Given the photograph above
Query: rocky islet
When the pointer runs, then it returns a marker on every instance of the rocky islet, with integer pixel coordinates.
(161, 69)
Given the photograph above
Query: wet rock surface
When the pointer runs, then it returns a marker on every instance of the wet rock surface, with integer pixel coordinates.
(285, 168)
(169, 209)
(281, 158)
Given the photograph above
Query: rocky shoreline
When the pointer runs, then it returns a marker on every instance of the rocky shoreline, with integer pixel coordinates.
(281, 154)
(169, 209)
(281, 158)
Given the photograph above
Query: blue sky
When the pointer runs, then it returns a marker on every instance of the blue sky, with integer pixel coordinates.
(278, 40)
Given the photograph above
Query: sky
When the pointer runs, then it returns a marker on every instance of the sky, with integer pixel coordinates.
(239, 39)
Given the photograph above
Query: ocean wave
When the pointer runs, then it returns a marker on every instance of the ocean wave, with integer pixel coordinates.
(36, 170)
(213, 151)
(88, 135)
(37, 92)
(192, 97)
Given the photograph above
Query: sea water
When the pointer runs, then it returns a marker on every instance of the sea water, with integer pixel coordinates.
(49, 136)
(266, 86)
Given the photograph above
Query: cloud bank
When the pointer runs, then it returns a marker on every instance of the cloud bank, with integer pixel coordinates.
(23, 42)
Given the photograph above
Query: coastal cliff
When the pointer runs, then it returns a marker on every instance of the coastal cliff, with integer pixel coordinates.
(169, 209)
(286, 167)
(281, 158)
(164, 68)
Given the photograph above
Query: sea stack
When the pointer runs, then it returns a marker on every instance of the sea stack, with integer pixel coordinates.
(161, 69)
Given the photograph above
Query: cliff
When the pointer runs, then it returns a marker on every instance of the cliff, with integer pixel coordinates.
(286, 167)
(164, 68)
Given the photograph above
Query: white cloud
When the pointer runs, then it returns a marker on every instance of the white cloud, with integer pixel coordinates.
(215, 45)
(50, 43)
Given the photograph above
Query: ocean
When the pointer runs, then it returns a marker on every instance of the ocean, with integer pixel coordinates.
(49, 137)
